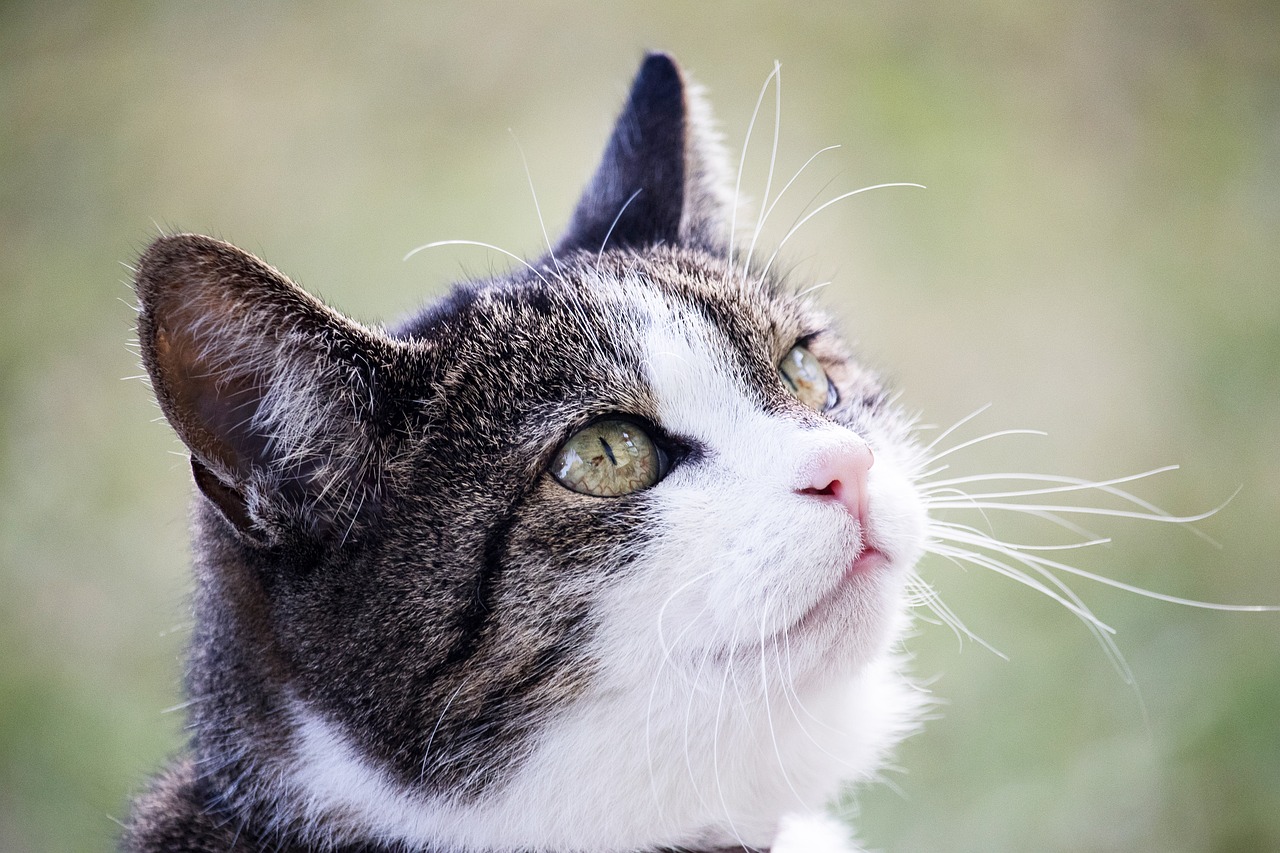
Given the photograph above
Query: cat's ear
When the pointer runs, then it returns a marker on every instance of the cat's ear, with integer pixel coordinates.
(663, 177)
(281, 400)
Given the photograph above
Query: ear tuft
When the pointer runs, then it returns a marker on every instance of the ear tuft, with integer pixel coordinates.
(663, 177)
(276, 395)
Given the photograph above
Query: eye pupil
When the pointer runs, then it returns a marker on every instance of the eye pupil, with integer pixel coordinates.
(608, 451)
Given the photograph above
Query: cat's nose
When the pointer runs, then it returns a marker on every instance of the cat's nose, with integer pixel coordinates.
(840, 474)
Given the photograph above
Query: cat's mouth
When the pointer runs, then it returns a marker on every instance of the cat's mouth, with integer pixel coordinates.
(870, 559)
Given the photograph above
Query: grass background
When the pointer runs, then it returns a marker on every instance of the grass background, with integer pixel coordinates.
(1098, 255)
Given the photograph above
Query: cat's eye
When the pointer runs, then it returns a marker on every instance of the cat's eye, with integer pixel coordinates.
(609, 458)
(803, 375)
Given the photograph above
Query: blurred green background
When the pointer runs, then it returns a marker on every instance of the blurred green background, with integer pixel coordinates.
(1098, 255)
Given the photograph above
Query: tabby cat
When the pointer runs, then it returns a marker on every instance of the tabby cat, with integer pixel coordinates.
(609, 553)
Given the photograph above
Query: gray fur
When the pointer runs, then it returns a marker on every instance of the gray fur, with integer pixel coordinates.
(376, 535)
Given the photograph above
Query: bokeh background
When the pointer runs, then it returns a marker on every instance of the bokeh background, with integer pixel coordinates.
(1097, 255)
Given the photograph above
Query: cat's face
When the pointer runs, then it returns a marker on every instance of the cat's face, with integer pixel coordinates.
(574, 539)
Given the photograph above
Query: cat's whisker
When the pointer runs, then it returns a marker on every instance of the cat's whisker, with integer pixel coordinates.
(787, 679)
(696, 783)
(1069, 483)
(614, 224)
(663, 667)
(974, 531)
(1068, 597)
(715, 745)
(1070, 509)
(809, 290)
(938, 546)
(346, 534)
(662, 610)
(669, 662)
(931, 472)
(932, 494)
(742, 159)
(654, 684)
(767, 698)
(924, 595)
(823, 207)
(546, 238)
(789, 692)
(928, 448)
(1001, 433)
(769, 210)
(426, 752)
(489, 246)
(1047, 564)
(773, 160)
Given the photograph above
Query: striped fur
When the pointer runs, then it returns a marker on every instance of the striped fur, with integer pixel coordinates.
(410, 636)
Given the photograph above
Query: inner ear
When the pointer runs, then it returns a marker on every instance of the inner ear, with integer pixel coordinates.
(208, 391)
(662, 176)
(232, 503)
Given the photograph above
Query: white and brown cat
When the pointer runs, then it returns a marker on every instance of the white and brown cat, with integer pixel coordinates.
(605, 555)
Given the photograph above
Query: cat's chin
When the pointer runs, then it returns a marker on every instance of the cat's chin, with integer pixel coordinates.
(859, 582)
(846, 629)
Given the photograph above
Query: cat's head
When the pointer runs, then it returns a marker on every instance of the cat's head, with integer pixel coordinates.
(557, 559)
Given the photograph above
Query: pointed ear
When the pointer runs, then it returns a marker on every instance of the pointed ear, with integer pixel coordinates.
(281, 400)
(663, 177)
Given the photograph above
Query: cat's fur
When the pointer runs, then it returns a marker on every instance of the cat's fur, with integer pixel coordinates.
(409, 635)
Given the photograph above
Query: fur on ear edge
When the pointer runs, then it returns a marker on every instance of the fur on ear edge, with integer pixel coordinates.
(275, 394)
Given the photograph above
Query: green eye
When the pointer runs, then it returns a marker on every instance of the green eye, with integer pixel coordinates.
(609, 458)
(804, 376)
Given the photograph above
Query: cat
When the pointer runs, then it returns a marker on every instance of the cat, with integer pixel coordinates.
(610, 553)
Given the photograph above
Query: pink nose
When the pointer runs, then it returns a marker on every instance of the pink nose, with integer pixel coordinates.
(841, 475)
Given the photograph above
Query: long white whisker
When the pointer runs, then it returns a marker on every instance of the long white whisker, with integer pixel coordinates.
(982, 540)
(988, 562)
(768, 705)
(786, 680)
(781, 193)
(971, 442)
(666, 651)
(773, 160)
(922, 594)
(1038, 566)
(955, 426)
(546, 238)
(715, 744)
(438, 243)
(1071, 483)
(614, 223)
(1068, 509)
(688, 718)
(426, 753)
(1071, 546)
(932, 472)
(648, 739)
(737, 187)
(823, 207)
(812, 288)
